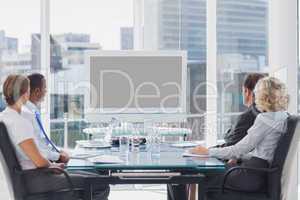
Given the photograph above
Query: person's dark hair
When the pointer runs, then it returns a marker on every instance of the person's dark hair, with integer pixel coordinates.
(14, 87)
(251, 80)
(36, 81)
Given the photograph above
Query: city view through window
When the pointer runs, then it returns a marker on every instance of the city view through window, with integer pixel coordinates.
(242, 47)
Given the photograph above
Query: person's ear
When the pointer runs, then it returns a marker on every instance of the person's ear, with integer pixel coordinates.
(248, 92)
(25, 97)
(245, 91)
(32, 92)
(37, 91)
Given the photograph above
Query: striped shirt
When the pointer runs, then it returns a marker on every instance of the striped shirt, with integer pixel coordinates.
(261, 140)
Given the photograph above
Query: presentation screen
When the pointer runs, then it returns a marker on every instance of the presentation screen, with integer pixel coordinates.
(137, 81)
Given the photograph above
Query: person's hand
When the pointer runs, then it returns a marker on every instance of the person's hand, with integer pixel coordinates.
(199, 150)
(232, 162)
(63, 157)
(56, 166)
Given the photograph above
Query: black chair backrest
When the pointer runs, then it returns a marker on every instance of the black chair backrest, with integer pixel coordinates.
(12, 163)
(280, 155)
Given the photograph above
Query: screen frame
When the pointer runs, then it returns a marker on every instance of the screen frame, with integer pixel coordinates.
(136, 53)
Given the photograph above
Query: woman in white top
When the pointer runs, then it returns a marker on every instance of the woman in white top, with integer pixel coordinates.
(258, 147)
(16, 92)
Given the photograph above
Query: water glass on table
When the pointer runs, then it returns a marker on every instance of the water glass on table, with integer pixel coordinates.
(124, 146)
(155, 144)
(135, 139)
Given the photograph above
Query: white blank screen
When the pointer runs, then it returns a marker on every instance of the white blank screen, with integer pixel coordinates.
(163, 72)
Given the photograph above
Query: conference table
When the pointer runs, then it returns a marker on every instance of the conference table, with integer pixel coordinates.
(144, 167)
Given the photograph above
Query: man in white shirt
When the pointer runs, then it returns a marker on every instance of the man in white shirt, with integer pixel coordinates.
(38, 89)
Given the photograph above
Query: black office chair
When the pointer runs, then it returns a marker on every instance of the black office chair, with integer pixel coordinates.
(15, 174)
(273, 173)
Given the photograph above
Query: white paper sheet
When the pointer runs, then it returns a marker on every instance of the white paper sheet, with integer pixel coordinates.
(106, 159)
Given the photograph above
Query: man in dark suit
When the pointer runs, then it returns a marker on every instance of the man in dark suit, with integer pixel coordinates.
(238, 131)
(247, 118)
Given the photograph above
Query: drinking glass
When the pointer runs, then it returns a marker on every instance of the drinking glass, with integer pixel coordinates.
(124, 146)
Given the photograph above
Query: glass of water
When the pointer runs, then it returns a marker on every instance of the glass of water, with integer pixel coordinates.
(135, 139)
(155, 144)
(124, 146)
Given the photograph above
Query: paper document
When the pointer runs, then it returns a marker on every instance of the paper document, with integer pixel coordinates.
(93, 144)
(106, 159)
(188, 154)
(83, 155)
(184, 144)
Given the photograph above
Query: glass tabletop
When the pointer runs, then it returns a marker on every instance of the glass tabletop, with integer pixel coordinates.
(170, 158)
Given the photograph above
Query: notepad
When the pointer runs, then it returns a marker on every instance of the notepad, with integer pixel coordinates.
(105, 159)
(188, 154)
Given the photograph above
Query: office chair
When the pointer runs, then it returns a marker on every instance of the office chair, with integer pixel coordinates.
(286, 148)
(14, 174)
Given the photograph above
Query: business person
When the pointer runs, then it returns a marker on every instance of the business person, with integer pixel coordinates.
(30, 111)
(247, 118)
(16, 90)
(238, 131)
(257, 148)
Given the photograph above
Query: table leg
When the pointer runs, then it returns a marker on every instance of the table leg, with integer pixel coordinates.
(88, 192)
(170, 192)
(201, 191)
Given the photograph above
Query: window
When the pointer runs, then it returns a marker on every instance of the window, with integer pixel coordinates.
(181, 25)
(242, 45)
(18, 27)
(88, 25)
(242, 48)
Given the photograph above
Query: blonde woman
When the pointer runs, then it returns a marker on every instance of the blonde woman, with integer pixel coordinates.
(257, 148)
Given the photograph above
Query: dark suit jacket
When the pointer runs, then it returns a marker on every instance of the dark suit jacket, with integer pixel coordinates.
(240, 128)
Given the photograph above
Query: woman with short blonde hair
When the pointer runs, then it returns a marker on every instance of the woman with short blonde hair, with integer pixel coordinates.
(257, 148)
(271, 95)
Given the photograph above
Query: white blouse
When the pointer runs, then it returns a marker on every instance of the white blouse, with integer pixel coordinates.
(261, 140)
(19, 129)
